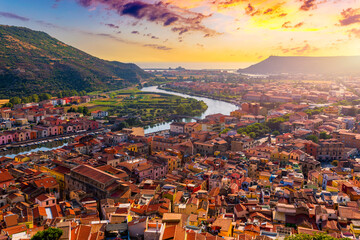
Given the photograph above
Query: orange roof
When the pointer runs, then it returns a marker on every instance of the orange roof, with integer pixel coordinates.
(82, 232)
(44, 197)
(48, 182)
(169, 232)
(16, 229)
(5, 176)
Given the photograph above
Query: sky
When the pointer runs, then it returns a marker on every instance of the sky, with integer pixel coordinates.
(161, 33)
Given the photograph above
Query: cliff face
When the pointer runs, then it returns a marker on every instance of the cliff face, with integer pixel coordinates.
(306, 65)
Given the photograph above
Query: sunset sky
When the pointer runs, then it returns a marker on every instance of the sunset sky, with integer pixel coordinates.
(194, 30)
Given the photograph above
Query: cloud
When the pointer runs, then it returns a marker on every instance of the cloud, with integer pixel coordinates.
(355, 32)
(300, 50)
(350, 16)
(300, 24)
(289, 25)
(135, 32)
(269, 11)
(158, 47)
(51, 25)
(161, 13)
(13, 16)
(251, 11)
(308, 5)
(286, 25)
(275, 9)
(112, 25)
(110, 36)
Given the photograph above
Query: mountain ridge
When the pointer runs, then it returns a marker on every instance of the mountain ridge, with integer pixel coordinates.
(305, 65)
(33, 61)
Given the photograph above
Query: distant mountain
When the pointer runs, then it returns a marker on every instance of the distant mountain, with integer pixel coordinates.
(34, 62)
(306, 65)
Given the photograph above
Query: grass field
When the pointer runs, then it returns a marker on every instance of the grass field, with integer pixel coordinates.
(3, 101)
(146, 107)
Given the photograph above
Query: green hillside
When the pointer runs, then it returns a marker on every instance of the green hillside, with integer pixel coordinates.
(34, 62)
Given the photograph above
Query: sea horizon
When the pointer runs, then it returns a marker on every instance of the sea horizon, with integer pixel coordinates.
(195, 65)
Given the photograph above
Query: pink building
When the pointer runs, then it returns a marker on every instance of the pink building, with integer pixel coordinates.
(45, 200)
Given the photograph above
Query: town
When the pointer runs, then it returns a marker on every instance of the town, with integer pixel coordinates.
(264, 171)
(179, 120)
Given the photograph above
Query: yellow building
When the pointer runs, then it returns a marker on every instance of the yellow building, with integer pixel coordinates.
(275, 155)
(22, 158)
(193, 220)
(173, 163)
(264, 176)
(132, 148)
(331, 110)
(169, 192)
(238, 113)
(192, 206)
(224, 225)
(355, 228)
(58, 173)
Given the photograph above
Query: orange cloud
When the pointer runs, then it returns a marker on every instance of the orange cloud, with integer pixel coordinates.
(350, 16)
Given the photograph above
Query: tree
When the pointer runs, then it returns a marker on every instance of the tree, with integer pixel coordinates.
(71, 109)
(313, 138)
(320, 236)
(44, 96)
(26, 99)
(15, 100)
(252, 135)
(120, 126)
(9, 105)
(35, 98)
(335, 163)
(48, 234)
(274, 123)
(86, 111)
(324, 135)
(180, 109)
(276, 133)
(226, 130)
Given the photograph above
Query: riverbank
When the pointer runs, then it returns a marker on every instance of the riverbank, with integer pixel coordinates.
(46, 146)
(199, 95)
(214, 107)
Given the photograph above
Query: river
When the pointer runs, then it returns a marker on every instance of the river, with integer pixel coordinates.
(214, 106)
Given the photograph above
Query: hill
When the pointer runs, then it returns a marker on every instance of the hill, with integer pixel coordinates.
(306, 65)
(34, 62)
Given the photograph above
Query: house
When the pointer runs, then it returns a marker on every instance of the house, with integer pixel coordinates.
(49, 184)
(192, 127)
(15, 231)
(45, 200)
(240, 211)
(177, 127)
(6, 179)
(223, 226)
(42, 132)
(99, 114)
(298, 116)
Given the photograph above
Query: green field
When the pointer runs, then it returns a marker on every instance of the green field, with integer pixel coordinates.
(147, 108)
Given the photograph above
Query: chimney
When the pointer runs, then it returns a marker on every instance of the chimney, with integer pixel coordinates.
(157, 226)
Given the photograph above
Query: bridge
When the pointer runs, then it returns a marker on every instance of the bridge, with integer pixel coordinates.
(176, 117)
